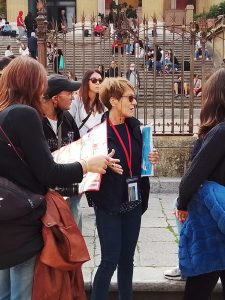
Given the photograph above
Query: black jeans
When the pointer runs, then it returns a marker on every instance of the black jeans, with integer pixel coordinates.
(200, 287)
(118, 235)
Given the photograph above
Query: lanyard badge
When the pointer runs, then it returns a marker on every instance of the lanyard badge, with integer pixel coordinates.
(132, 187)
(132, 181)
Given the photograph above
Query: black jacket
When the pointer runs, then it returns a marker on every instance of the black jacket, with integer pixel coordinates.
(112, 72)
(68, 126)
(32, 43)
(113, 190)
(30, 22)
(21, 239)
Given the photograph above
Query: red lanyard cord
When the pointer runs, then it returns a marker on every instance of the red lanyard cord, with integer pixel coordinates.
(128, 157)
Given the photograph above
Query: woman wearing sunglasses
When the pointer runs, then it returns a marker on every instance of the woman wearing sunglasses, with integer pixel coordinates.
(118, 203)
(86, 108)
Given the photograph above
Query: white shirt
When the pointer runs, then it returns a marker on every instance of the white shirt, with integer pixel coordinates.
(2, 23)
(197, 83)
(79, 113)
(53, 125)
(133, 79)
(8, 53)
(24, 52)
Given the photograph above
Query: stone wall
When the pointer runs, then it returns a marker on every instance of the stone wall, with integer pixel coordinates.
(174, 154)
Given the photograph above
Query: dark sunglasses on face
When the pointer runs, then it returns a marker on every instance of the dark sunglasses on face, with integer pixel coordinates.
(95, 80)
(130, 98)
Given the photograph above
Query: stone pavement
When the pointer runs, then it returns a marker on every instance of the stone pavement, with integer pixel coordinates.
(157, 247)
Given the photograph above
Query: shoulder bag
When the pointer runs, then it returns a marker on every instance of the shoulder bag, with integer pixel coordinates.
(16, 201)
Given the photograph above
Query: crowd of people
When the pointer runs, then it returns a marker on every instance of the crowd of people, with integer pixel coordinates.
(45, 107)
(53, 111)
(59, 111)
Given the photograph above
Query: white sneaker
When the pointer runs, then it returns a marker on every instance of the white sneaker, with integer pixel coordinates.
(173, 274)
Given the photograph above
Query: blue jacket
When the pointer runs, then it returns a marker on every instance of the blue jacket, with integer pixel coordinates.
(202, 239)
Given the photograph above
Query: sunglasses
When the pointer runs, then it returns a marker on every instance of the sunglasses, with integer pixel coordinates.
(95, 80)
(130, 98)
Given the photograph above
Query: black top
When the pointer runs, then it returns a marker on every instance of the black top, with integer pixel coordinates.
(70, 132)
(112, 72)
(208, 164)
(113, 194)
(21, 239)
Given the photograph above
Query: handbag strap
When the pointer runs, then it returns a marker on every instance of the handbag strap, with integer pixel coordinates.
(85, 119)
(88, 116)
(10, 143)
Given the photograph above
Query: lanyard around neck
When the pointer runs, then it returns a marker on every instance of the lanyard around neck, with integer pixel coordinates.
(128, 157)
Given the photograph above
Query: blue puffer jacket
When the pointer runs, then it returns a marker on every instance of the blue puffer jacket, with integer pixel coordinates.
(202, 239)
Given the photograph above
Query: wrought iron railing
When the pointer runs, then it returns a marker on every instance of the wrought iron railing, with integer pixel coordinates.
(157, 103)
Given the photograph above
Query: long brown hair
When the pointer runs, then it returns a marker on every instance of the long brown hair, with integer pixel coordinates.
(213, 110)
(23, 81)
(84, 90)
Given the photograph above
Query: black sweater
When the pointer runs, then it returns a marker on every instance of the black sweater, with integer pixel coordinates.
(21, 239)
(208, 164)
(113, 192)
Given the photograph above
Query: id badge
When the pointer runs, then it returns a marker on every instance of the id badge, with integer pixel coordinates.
(132, 187)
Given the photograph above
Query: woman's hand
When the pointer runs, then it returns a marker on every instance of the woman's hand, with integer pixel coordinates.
(153, 157)
(96, 164)
(99, 164)
(181, 215)
(114, 163)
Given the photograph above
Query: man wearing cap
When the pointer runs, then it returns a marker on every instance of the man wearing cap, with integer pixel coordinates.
(60, 128)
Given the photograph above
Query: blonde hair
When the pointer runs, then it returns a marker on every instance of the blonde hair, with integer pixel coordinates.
(113, 87)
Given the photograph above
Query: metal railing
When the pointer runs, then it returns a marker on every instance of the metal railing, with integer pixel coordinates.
(157, 102)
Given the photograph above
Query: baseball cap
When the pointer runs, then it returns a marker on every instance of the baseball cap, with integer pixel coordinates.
(58, 83)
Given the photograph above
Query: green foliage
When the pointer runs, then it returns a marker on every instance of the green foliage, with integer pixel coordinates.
(214, 11)
(200, 16)
(101, 16)
(131, 12)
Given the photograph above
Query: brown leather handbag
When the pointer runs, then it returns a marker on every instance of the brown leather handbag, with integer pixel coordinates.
(58, 273)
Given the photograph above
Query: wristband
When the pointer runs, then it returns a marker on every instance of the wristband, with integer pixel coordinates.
(85, 167)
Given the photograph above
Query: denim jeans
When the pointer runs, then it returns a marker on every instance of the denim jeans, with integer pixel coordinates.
(118, 235)
(74, 204)
(197, 55)
(129, 48)
(21, 32)
(16, 282)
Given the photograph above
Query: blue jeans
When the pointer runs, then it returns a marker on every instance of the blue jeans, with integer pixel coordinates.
(129, 48)
(74, 204)
(16, 282)
(118, 235)
(197, 55)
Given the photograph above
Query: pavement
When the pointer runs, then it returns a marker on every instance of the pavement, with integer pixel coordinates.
(157, 247)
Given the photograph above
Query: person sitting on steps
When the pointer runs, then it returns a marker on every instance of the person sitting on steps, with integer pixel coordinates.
(181, 87)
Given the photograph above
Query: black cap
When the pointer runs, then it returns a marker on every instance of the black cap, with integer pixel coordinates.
(58, 83)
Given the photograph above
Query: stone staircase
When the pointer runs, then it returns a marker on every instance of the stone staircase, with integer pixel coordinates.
(96, 51)
(91, 51)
